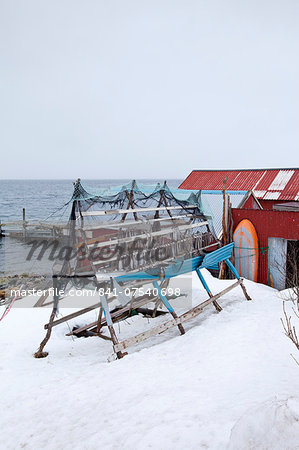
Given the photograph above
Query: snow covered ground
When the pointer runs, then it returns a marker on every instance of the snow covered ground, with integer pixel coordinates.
(226, 383)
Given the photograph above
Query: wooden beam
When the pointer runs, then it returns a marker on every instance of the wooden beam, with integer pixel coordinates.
(144, 235)
(41, 300)
(146, 266)
(92, 307)
(115, 315)
(72, 316)
(174, 322)
(112, 212)
(133, 222)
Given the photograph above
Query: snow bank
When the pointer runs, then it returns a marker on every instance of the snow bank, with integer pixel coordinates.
(170, 392)
(287, 294)
(272, 425)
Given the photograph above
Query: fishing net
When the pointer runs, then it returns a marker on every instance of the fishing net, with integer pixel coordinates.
(130, 228)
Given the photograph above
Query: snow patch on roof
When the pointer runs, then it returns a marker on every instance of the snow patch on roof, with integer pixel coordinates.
(281, 180)
(259, 194)
(272, 195)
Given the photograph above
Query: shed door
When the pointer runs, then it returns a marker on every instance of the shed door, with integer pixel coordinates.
(277, 256)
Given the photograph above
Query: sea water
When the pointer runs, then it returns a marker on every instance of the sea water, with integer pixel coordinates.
(43, 200)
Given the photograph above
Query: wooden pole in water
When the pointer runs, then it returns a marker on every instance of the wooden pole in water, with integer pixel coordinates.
(24, 223)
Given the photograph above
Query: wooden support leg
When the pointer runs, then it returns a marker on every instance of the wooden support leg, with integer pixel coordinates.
(205, 285)
(42, 299)
(99, 324)
(107, 315)
(235, 272)
(158, 302)
(247, 296)
(40, 352)
(122, 298)
(168, 306)
(163, 285)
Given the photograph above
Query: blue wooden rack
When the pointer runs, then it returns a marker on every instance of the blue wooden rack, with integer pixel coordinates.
(208, 261)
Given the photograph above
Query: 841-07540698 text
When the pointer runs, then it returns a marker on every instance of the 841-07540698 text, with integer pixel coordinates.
(140, 291)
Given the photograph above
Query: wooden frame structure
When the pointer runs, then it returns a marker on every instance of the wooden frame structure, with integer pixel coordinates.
(159, 278)
(209, 261)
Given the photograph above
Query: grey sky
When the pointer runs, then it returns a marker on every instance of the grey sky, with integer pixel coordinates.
(147, 89)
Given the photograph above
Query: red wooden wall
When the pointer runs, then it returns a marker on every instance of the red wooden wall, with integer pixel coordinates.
(268, 223)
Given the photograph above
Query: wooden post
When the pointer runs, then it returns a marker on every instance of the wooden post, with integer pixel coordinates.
(24, 223)
(99, 324)
(156, 216)
(40, 352)
(225, 213)
(224, 226)
(130, 197)
(107, 315)
(230, 232)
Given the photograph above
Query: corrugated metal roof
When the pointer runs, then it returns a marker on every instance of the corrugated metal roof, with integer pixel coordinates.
(267, 184)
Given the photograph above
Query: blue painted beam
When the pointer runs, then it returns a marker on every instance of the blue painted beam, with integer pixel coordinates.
(232, 268)
(203, 281)
(163, 298)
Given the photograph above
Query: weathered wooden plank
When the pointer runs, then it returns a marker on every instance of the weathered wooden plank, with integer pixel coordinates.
(133, 222)
(72, 315)
(167, 230)
(122, 211)
(41, 300)
(144, 266)
(106, 338)
(174, 322)
(116, 314)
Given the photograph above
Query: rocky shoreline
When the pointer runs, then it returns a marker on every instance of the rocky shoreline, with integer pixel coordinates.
(9, 283)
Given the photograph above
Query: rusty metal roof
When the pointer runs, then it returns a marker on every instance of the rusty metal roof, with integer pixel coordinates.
(267, 184)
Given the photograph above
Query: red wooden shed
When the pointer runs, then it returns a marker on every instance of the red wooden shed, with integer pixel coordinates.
(275, 213)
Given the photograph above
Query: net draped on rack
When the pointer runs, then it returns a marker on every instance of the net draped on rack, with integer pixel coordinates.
(131, 228)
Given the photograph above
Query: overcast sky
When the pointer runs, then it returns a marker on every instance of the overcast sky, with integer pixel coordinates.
(147, 89)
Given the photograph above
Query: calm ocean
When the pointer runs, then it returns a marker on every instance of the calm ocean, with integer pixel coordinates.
(41, 199)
